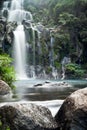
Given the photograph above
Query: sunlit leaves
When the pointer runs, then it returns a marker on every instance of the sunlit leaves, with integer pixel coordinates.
(6, 69)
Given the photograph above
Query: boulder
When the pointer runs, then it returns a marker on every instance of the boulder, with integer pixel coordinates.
(61, 84)
(4, 88)
(73, 113)
(26, 116)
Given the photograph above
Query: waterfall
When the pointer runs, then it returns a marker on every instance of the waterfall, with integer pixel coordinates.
(5, 7)
(17, 14)
(51, 52)
(29, 43)
(15, 5)
(54, 70)
(20, 52)
(33, 68)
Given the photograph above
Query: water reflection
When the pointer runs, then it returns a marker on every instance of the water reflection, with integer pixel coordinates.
(29, 90)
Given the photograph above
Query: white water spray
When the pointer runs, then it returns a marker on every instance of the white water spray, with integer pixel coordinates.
(17, 14)
(20, 52)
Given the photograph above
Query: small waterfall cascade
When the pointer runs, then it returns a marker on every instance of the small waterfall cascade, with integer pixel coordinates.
(34, 51)
(65, 61)
(33, 67)
(39, 47)
(31, 50)
(5, 7)
(51, 55)
(15, 4)
(51, 52)
(17, 13)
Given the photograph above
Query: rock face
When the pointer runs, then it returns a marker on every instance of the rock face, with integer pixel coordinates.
(4, 88)
(73, 113)
(6, 34)
(10, 27)
(24, 116)
(2, 30)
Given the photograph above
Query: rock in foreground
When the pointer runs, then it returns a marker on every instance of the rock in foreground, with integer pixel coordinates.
(4, 89)
(73, 113)
(24, 116)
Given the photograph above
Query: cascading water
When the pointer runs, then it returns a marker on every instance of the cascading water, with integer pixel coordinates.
(20, 52)
(15, 5)
(65, 61)
(54, 71)
(33, 68)
(5, 7)
(51, 52)
(17, 14)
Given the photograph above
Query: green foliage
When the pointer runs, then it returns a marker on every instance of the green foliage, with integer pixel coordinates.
(57, 64)
(8, 128)
(66, 18)
(75, 71)
(48, 70)
(7, 72)
(0, 124)
(5, 127)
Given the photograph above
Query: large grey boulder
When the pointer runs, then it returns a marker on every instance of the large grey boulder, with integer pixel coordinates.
(25, 116)
(73, 113)
(4, 89)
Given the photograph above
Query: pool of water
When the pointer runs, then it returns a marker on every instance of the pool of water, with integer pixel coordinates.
(27, 91)
(50, 97)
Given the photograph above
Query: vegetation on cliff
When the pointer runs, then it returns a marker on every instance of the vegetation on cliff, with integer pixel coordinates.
(68, 21)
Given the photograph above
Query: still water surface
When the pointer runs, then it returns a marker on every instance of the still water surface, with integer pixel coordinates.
(27, 89)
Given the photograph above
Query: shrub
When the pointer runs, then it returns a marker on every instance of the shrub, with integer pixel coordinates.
(7, 72)
(74, 71)
(6, 127)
